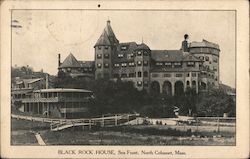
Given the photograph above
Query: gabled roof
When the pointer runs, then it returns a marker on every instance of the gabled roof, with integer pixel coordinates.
(143, 47)
(103, 40)
(172, 55)
(167, 55)
(190, 57)
(130, 47)
(70, 62)
(87, 63)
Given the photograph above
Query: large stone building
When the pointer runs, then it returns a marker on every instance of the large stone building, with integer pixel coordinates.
(195, 65)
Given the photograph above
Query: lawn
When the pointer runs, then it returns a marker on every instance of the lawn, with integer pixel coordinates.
(124, 135)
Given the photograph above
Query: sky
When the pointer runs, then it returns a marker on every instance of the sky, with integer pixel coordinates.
(46, 33)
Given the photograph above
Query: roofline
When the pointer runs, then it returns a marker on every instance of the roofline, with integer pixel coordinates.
(63, 90)
(204, 47)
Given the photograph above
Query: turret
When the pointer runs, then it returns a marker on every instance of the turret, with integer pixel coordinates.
(105, 48)
(184, 46)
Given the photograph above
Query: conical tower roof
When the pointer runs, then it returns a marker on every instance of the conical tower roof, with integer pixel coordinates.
(110, 33)
(108, 37)
(103, 40)
(70, 61)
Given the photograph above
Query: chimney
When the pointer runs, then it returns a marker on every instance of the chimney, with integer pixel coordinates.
(184, 46)
(59, 60)
(47, 81)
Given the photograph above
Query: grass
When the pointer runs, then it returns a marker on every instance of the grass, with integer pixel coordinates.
(123, 135)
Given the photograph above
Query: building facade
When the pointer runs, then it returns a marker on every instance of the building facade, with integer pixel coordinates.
(172, 72)
(58, 103)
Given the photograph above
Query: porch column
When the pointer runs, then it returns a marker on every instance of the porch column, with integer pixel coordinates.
(173, 93)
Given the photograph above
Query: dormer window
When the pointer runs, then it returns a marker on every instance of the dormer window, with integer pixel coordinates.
(159, 63)
(177, 64)
(168, 64)
(190, 64)
(124, 48)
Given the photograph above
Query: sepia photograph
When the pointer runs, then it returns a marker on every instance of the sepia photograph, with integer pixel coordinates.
(119, 79)
(123, 77)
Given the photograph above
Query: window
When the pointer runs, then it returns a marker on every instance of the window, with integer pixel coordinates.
(138, 63)
(68, 69)
(99, 47)
(159, 63)
(145, 53)
(106, 56)
(116, 75)
(145, 83)
(131, 64)
(190, 64)
(215, 60)
(139, 74)
(167, 75)
(155, 75)
(187, 75)
(124, 75)
(124, 64)
(145, 63)
(188, 83)
(116, 64)
(106, 65)
(139, 53)
(178, 75)
(99, 65)
(131, 75)
(215, 68)
(145, 74)
(99, 56)
(120, 55)
(106, 47)
(207, 58)
(201, 57)
(168, 64)
(124, 47)
(193, 74)
(177, 64)
(139, 83)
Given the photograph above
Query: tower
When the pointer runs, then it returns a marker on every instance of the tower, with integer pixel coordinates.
(142, 60)
(209, 53)
(105, 49)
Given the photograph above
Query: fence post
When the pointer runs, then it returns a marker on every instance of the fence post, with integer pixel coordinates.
(90, 124)
(102, 120)
(115, 120)
(218, 124)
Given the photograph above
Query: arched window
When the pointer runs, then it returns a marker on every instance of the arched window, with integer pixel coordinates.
(145, 74)
(139, 74)
(188, 83)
